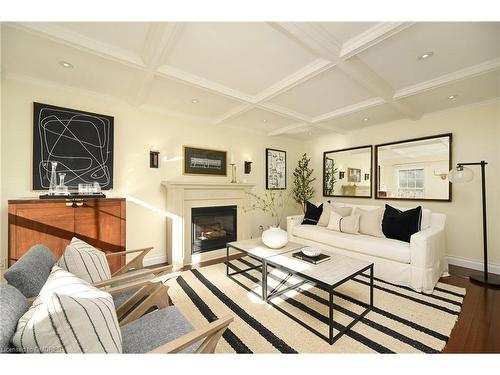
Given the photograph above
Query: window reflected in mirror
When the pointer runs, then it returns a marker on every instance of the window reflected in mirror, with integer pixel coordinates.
(348, 172)
(415, 169)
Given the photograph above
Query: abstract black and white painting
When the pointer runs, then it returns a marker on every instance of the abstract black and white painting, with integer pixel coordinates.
(275, 169)
(80, 142)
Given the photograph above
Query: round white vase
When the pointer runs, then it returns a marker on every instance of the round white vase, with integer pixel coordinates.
(275, 237)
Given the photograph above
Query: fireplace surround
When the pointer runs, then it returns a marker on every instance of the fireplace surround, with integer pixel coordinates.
(185, 195)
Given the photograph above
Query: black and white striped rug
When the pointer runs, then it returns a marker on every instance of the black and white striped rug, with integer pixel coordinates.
(402, 321)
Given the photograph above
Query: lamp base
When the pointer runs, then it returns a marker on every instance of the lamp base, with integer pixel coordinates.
(493, 280)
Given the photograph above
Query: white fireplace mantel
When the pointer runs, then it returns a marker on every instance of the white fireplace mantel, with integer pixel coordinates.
(182, 196)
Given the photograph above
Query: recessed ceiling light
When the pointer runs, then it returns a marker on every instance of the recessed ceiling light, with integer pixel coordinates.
(264, 121)
(366, 119)
(451, 97)
(426, 55)
(194, 101)
(66, 64)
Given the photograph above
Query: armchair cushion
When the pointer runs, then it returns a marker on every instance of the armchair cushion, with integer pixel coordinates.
(31, 271)
(155, 329)
(12, 306)
(85, 261)
(69, 316)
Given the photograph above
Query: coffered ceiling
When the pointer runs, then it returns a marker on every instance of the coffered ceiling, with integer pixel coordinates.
(282, 79)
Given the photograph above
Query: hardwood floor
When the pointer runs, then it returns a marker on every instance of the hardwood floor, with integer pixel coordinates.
(478, 327)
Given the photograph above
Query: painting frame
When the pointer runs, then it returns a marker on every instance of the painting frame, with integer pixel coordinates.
(277, 175)
(213, 162)
(70, 137)
(353, 175)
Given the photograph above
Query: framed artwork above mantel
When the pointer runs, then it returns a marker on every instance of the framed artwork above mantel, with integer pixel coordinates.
(204, 162)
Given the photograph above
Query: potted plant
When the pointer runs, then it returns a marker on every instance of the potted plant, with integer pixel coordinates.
(272, 203)
(302, 182)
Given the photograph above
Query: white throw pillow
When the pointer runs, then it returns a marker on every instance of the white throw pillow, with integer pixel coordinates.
(85, 261)
(370, 221)
(344, 224)
(328, 208)
(69, 316)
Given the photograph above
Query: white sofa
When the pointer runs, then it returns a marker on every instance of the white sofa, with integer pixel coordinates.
(418, 264)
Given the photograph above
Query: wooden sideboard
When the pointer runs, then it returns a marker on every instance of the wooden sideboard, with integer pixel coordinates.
(99, 222)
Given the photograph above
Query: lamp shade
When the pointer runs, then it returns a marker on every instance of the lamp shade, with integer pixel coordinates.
(460, 174)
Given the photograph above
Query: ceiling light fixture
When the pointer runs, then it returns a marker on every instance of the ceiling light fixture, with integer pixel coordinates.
(366, 119)
(66, 64)
(451, 97)
(194, 101)
(264, 121)
(426, 55)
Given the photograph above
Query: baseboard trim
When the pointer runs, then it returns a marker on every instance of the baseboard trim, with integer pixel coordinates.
(473, 264)
(152, 261)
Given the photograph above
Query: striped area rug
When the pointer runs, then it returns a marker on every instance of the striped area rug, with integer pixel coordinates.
(402, 321)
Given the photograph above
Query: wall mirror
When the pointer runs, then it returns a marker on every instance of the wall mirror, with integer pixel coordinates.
(415, 169)
(348, 172)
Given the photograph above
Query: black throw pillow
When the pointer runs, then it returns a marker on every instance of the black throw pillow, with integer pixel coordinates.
(400, 225)
(313, 213)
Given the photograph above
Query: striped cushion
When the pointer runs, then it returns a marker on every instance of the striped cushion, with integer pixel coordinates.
(85, 261)
(69, 316)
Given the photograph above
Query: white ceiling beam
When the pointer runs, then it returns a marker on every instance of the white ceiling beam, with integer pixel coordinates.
(348, 110)
(233, 113)
(81, 42)
(158, 43)
(457, 76)
(376, 85)
(371, 37)
(312, 36)
(175, 74)
(309, 71)
(285, 129)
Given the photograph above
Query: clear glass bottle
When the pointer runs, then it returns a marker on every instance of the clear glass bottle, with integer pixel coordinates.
(61, 188)
(53, 178)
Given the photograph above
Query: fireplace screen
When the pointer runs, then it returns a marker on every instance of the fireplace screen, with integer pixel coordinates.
(212, 228)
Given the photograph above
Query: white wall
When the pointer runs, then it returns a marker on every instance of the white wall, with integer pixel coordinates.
(476, 136)
(135, 131)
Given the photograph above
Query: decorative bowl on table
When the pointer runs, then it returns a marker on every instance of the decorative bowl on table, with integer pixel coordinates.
(311, 251)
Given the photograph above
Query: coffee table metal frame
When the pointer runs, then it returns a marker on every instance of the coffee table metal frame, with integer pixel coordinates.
(330, 288)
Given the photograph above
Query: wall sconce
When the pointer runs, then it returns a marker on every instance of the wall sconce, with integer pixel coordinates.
(367, 176)
(248, 167)
(154, 157)
(341, 175)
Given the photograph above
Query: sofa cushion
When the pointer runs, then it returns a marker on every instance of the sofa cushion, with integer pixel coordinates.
(30, 272)
(370, 221)
(69, 316)
(400, 225)
(313, 213)
(85, 261)
(155, 329)
(387, 248)
(13, 305)
(344, 224)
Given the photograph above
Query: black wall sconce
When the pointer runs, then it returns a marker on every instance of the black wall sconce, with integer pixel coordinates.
(248, 167)
(341, 175)
(154, 158)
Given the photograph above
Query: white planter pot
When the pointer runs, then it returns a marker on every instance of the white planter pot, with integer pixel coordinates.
(275, 237)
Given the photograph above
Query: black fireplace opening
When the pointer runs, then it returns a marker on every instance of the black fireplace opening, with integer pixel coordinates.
(212, 228)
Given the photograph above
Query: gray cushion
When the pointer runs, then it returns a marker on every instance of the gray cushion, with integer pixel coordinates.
(31, 271)
(155, 329)
(13, 305)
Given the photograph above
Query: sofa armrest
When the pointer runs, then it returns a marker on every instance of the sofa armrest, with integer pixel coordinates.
(428, 248)
(292, 221)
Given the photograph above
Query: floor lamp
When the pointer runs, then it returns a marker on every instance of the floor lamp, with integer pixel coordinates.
(462, 174)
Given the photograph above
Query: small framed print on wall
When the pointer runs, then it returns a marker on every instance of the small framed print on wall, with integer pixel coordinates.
(202, 161)
(275, 169)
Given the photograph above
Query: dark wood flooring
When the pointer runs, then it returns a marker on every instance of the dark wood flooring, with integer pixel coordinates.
(478, 326)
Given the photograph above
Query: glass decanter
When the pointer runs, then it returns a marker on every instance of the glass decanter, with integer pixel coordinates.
(53, 178)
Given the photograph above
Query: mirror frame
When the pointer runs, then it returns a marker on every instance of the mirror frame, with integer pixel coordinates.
(450, 166)
(371, 172)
